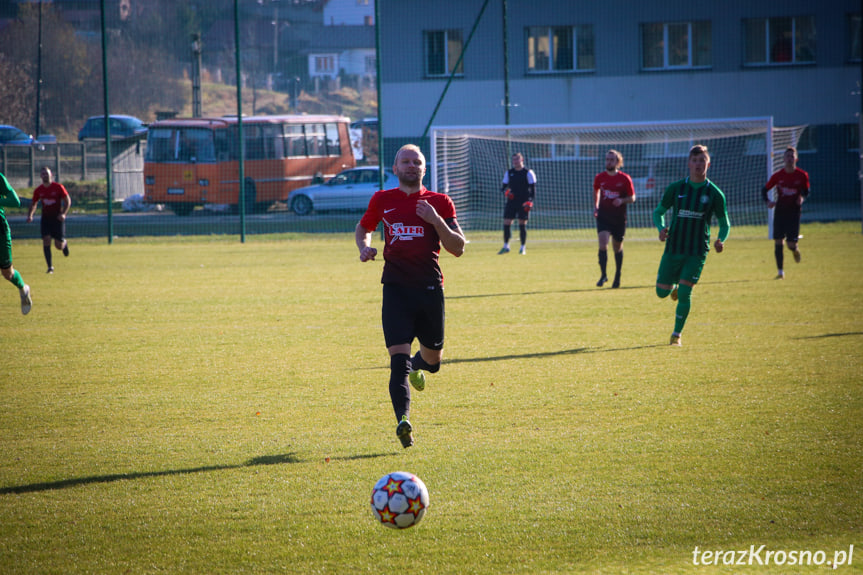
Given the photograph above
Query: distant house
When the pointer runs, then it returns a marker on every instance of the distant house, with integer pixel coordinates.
(346, 44)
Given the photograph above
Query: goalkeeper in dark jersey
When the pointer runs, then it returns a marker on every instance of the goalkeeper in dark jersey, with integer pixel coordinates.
(694, 201)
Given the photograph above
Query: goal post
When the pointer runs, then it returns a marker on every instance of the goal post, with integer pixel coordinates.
(468, 163)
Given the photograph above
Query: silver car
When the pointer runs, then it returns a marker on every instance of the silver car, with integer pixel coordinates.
(349, 190)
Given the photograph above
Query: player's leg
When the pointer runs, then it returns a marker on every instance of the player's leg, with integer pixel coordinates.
(60, 237)
(778, 240)
(430, 333)
(507, 231)
(45, 224)
(617, 244)
(397, 319)
(792, 235)
(668, 275)
(689, 276)
(522, 234)
(9, 273)
(603, 236)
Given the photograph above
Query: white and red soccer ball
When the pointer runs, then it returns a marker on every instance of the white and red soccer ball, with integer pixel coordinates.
(399, 500)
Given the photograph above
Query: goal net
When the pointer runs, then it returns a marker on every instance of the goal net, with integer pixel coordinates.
(468, 164)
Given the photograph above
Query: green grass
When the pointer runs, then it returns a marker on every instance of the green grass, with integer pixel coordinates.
(197, 405)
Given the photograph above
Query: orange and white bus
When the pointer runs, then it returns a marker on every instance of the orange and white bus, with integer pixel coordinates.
(195, 161)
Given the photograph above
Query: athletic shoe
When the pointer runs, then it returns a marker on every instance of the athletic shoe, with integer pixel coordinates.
(601, 281)
(780, 275)
(50, 270)
(503, 250)
(417, 379)
(522, 250)
(674, 294)
(616, 283)
(403, 432)
(796, 256)
(26, 300)
(675, 340)
(66, 249)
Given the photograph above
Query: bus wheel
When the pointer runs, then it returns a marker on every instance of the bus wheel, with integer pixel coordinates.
(182, 209)
(302, 206)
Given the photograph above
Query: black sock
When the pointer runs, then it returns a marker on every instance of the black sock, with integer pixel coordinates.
(618, 260)
(603, 261)
(417, 362)
(47, 251)
(507, 233)
(522, 233)
(780, 255)
(400, 391)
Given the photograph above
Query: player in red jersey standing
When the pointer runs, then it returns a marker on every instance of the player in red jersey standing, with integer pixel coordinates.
(792, 188)
(55, 205)
(417, 222)
(612, 192)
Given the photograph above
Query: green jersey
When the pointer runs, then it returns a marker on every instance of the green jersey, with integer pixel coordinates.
(8, 197)
(693, 205)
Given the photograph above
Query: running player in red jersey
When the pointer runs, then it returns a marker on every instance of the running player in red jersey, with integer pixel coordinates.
(55, 205)
(417, 222)
(792, 188)
(612, 192)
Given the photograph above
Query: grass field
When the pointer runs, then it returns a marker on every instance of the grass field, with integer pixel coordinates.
(198, 405)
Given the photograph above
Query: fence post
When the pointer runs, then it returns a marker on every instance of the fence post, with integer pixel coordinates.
(57, 161)
(83, 146)
(32, 155)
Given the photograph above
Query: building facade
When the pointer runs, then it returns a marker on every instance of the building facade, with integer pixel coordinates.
(572, 61)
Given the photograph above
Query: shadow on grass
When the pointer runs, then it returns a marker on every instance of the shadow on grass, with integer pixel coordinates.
(825, 335)
(64, 483)
(583, 290)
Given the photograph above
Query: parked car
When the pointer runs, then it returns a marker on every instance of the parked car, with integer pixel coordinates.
(121, 127)
(12, 136)
(348, 190)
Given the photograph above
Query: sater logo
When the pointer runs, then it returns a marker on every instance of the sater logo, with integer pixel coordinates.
(787, 191)
(403, 232)
(610, 194)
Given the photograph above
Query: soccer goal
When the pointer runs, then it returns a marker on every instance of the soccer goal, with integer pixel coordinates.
(468, 163)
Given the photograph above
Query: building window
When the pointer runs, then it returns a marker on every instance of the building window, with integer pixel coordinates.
(371, 65)
(442, 50)
(324, 64)
(854, 35)
(560, 49)
(678, 45)
(779, 40)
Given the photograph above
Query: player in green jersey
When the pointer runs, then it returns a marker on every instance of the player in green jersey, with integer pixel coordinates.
(694, 201)
(9, 199)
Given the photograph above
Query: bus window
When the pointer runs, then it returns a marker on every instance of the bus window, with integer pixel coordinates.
(274, 148)
(316, 143)
(334, 147)
(295, 141)
(254, 142)
(223, 148)
(159, 147)
(195, 145)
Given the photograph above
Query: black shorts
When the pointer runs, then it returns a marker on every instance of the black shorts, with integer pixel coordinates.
(514, 210)
(616, 227)
(409, 313)
(53, 227)
(786, 226)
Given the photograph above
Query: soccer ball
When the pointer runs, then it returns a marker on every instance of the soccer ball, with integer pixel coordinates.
(399, 500)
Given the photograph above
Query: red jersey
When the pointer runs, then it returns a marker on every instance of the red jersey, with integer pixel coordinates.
(789, 188)
(610, 188)
(412, 245)
(51, 195)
